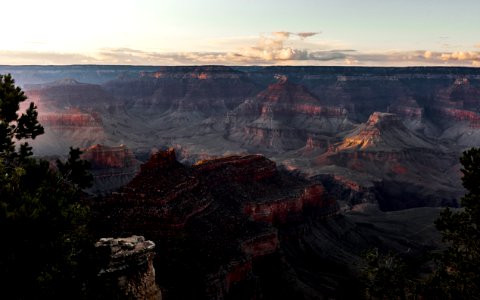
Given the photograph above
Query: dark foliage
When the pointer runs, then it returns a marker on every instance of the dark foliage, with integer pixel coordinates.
(456, 270)
(387, 276)
(458, 274)
(43, 225)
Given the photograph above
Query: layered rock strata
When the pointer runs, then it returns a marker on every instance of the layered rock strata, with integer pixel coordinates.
(111, 167)
(178, 205)
(382, 157)
(283, 116)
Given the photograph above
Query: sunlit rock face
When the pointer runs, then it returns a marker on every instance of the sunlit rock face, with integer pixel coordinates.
(383, 131)
(382, 157)
(226, 210)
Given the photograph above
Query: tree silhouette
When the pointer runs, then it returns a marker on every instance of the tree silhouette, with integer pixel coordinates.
(456, 270)
(43, 224)
(458, 275)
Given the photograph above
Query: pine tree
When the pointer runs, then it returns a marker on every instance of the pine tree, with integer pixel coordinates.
(458, 275)
(43, 224)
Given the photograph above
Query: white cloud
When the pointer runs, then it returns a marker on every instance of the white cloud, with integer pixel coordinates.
(282, 34)
(421, 57)
(473, 56)
(427, 54)
(273, 48)
(276, 48)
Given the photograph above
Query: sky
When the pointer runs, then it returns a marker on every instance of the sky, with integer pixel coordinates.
(241, 32)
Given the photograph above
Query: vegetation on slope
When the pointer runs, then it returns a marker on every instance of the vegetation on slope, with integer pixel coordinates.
(455, 272)
(43, 224)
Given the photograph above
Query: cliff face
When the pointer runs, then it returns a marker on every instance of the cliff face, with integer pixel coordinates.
(454, 111)
(411, 113)
(111, 167)
(204, 91)
(240, 169)
(213, 110)
(395, 162)
(382, 157)
(105, 157)
(127, 269)
(70, 119)
(293, 114)
(313, 201)
(383, 132)
(283, 116)
(181, 207)
(160, 199)
(455, 115)
(68, 93)
(68, 128)
(460, 94)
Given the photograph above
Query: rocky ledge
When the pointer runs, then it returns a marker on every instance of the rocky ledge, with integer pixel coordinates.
(127, 269)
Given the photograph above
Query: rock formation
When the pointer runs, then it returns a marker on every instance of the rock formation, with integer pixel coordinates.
(237, 225)
(383, 132)
(383, 156)
(68, 93)
(111, 167)
(292, 114)
(410, 112)
(282, 117)
(191, 93)
(127, 269)
(69, 128)
(178, 205)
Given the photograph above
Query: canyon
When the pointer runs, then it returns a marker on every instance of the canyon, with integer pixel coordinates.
(241, 227)
(214, 220)
(262, 182)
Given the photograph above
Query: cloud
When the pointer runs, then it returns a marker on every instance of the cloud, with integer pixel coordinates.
(427, 54)
(305, 35)
(460, 56)
(276, 48)
(271, 53)
(273, 48)
(287, 34)
(477, 45)
(280, 47)
(282, 34)
(44, 58)
(420, 57)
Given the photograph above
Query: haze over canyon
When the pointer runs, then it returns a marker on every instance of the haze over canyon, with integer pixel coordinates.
(262, 182)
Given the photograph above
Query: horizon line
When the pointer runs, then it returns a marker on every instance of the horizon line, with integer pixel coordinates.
(245, 66)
